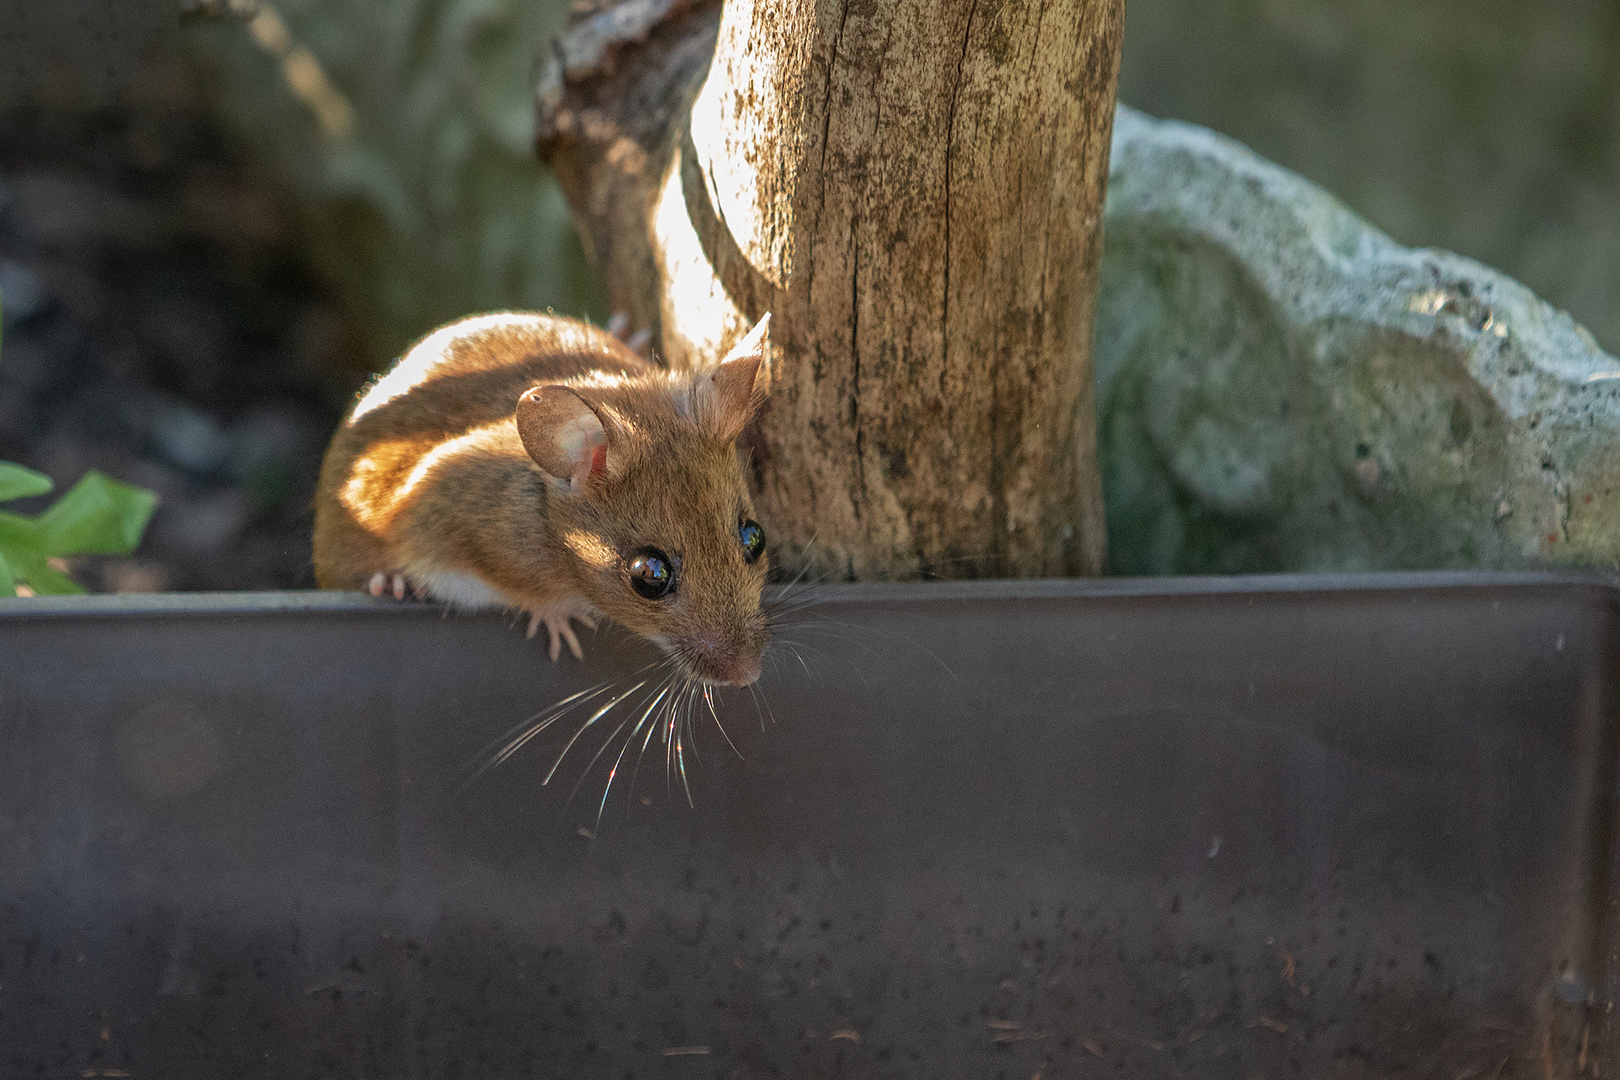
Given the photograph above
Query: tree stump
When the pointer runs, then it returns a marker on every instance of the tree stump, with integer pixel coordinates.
(914, 192)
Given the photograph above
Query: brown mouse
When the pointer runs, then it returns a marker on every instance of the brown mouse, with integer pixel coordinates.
(536, 462)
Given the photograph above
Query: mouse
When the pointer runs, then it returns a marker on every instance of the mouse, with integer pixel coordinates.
(536, 462)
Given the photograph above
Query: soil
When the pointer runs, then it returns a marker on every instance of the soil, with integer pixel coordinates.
(160, 326)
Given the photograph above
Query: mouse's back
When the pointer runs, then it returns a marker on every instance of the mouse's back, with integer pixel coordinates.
(463, 376)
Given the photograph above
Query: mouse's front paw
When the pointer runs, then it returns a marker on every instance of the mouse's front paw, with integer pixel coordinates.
(556, 622)
(398, 585)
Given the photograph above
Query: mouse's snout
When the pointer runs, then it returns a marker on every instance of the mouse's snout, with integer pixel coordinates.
(718, 657)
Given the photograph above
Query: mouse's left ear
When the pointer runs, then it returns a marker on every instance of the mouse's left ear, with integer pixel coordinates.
(562, 433)
(729, 394)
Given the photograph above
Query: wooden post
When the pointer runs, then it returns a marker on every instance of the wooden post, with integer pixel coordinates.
(914, 191)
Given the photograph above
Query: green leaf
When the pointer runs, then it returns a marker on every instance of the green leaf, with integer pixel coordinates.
(20, 550)
(41, 577)
(17, 482)
(98, 516)
(20, 534)
(47, 581)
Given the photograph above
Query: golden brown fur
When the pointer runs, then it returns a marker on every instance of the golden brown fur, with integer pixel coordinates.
(429, 479)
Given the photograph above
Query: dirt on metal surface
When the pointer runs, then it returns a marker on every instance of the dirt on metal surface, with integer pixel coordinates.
(1279, 827)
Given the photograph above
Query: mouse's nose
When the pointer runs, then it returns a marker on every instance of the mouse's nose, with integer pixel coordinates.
(717, 658)
(742, 672)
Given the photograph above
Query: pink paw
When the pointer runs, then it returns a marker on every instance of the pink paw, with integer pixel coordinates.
(396, 584)
(556, 623)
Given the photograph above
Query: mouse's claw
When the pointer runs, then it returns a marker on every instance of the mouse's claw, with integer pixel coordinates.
(557, 625)
(396, 584)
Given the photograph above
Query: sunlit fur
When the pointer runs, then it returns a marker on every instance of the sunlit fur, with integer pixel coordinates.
(429, 479)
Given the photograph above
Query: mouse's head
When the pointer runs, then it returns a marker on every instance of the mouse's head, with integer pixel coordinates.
(649, 507)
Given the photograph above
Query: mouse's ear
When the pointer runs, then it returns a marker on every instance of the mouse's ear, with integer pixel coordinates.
(562, 434)
(729, 393)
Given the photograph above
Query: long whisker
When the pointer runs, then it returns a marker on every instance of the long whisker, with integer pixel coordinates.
(669, 753)
(752, 693)
(642, 753)
(708, 699)
(597, 715)
(684, 709)
(655, 708)
(763, 700)
(786, 605)
(794, 647)
(808, 544)
(680, 759)
(674, 751)
(614, 772)
(529, 729)
(843, 638)
(779, 621)
(792, 639)
(758, 695)
(606, 743)
(517, 737)
(793, 590)
(846, 628)
(592, 764)
(651, 706)
(785, 589)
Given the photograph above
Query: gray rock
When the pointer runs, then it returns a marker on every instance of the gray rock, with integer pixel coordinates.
(1486, 127)
(22, 294)
(1283, 387)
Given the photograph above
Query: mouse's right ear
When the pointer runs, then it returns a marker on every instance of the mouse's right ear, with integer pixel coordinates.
(562, 434)
(727, 396)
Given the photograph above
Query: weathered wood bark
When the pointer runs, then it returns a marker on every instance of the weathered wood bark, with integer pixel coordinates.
(914, 190)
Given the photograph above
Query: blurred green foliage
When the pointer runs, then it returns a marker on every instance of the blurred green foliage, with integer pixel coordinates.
(430, 204)
(97, 516)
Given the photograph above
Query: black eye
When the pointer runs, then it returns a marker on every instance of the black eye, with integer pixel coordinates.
(752, 537)
(652, 574)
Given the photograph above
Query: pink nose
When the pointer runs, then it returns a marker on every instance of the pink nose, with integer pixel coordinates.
(741, 672)
(721, 661)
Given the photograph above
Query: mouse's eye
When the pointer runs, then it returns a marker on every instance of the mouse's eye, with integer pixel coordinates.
(752, 537)
(652, 573)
